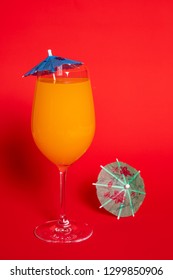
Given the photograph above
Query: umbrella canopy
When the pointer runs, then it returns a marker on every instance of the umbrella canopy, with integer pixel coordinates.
(50, 65)
(120, 189)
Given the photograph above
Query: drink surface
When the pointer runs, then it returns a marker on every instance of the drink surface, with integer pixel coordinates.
(63, 120)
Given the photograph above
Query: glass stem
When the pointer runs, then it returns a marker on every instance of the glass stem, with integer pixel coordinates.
(62, 216)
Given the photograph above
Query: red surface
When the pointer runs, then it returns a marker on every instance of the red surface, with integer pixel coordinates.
(127, 46)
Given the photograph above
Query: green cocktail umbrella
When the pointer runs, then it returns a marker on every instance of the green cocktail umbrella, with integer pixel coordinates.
(120, 189)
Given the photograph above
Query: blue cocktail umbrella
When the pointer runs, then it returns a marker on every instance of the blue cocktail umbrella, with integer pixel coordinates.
(51, 64)
(120, 189)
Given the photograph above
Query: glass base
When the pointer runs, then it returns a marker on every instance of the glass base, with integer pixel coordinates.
(53, 231)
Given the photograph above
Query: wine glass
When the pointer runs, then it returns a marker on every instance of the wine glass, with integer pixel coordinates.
(63, 126)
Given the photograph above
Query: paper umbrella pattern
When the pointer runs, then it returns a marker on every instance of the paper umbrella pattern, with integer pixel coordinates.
(120, 189)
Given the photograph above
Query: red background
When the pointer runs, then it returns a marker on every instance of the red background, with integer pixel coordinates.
(128, 47)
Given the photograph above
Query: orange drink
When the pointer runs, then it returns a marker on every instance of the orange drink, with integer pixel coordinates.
(63, 120)
(63, 126)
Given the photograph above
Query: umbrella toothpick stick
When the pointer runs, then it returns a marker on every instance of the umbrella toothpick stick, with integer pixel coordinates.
(49, 52)
(60, 70)
(106, 185)
(54, 78)
(53, 74)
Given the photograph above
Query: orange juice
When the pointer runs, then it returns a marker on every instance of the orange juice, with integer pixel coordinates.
(63, 121)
